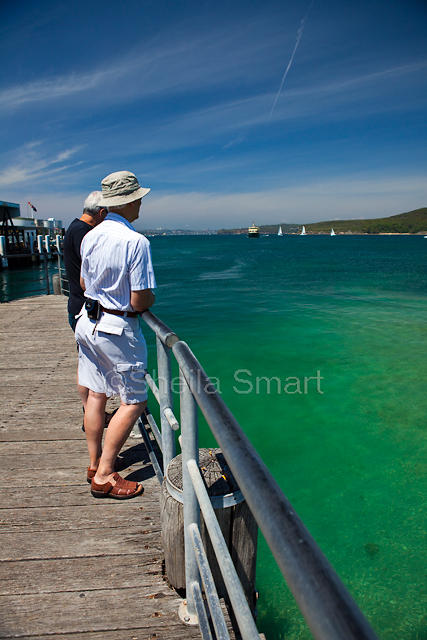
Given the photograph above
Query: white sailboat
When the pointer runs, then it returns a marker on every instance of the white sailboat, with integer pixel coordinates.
(280, 232)
(333, 232)
(303, 233)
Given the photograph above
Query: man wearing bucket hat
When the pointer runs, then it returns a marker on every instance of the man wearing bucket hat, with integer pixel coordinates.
(117, 276)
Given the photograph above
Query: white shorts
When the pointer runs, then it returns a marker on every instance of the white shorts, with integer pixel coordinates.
(113, 358)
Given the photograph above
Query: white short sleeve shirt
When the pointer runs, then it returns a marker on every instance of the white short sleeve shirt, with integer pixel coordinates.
(116, 260)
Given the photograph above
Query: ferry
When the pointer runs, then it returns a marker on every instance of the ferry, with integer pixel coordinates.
(253, 231)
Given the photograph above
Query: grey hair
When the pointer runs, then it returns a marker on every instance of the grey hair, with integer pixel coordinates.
(91, 205)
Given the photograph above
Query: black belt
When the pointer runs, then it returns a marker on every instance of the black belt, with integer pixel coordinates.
(117, 312)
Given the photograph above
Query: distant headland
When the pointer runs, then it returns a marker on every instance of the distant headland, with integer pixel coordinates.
(411, 222)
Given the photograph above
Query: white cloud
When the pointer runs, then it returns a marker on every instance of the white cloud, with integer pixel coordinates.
(339, 198)
(171, 66)
(238, 57)
(235, 120)
(31, 163)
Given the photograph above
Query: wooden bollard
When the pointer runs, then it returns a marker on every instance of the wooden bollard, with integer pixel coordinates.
(237, 524)
(56, 282)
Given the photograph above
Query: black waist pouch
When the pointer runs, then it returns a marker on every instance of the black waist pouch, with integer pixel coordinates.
(93, 309)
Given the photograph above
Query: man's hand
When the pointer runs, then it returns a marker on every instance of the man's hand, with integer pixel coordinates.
(141, 300)
(82, 284)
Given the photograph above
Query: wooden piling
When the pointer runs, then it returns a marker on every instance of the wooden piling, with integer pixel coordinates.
(236, 521)
(56, 284)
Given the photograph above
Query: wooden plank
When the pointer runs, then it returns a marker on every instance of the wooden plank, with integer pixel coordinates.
(35, 462)
(121, 634)
(83, 543)
(46, 448)
(62, 462)
(20, 434)
(113, 513)
(78, 612)
(82, 574)
(57, 476)
(52, 447)
(71, 518)
(27, 372)
(118, 634)
(48, 495)
(28, 415)
(38, 454)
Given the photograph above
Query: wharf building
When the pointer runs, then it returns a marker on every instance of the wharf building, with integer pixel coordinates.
(24, 240)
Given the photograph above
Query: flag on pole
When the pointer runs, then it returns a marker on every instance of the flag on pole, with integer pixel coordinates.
(32, 206)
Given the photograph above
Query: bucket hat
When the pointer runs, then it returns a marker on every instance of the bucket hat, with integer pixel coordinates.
(121, 187)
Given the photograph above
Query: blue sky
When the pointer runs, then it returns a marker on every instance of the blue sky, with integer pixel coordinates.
(230, 111)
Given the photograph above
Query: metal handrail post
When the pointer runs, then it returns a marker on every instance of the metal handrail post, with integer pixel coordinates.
(165, 400)
(46, 272)
(190, 451)
(59, 265)
(235, 591)
(217, 617)
(150, 451)
(201, 611)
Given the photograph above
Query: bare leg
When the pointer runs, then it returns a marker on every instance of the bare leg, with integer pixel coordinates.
(83, 392)
(118, 430)
(94, 420)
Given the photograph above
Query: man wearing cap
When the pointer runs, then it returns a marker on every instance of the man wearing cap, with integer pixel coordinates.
(117, 277)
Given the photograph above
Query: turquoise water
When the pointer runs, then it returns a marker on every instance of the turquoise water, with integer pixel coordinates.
(351, 458)
(22, 283)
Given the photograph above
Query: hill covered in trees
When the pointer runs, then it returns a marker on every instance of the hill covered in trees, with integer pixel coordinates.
(409, 222)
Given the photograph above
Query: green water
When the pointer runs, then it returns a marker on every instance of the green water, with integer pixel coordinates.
(351, 458)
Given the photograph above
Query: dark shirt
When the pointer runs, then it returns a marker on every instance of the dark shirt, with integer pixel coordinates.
(72, 260)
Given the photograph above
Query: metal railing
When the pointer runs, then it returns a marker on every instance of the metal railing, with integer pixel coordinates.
(324, 601)
(63, 279)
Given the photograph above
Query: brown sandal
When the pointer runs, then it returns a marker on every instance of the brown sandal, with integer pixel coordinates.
(90, 474)
(122, 490)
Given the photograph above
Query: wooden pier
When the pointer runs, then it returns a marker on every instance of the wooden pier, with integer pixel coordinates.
(72, 567)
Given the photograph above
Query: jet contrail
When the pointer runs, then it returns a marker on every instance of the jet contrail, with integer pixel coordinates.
(299, 36)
